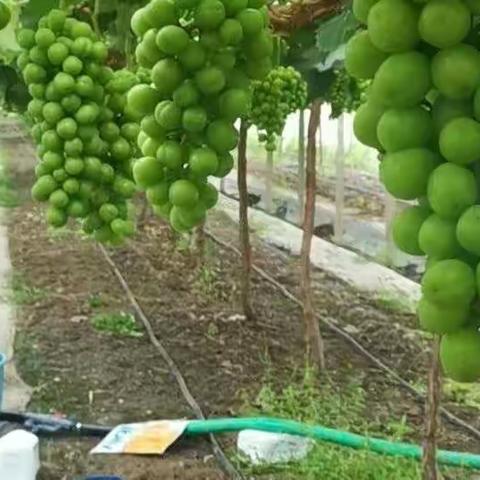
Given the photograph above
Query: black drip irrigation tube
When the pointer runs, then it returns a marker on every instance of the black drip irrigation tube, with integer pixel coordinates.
(49, 426)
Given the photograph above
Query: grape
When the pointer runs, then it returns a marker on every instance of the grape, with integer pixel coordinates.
(85, 169)
(422, 114)
(281, 93)
(198, 53)
(345, 93)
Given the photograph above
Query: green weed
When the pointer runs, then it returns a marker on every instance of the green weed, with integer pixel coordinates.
(118, 323)
(21, 293)
(95, 300)
(343, 410)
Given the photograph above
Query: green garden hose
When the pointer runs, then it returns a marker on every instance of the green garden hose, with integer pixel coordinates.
(274, 425)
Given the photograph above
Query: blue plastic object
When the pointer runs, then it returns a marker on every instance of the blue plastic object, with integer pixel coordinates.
(3, 361)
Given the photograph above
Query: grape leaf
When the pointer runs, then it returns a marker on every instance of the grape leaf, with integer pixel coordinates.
(34, 10)
(335, 32)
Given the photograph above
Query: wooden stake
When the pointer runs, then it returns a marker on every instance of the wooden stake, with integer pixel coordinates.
(243, 221)
(338, 228)
(301, 165)
(313, 337)
(269, 182)
(432, 406)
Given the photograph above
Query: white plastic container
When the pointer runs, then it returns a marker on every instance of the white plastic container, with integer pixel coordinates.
(19, 456)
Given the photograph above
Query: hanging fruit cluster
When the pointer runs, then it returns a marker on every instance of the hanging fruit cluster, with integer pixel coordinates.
(423, 114)
(346, 93)
(85, 135)
(281, 93)
(203, 55)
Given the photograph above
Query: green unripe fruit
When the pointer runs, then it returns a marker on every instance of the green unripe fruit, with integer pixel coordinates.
(362, 57)
(460, 141)
(231, 32)
(451, 190)
(172, 39)
(361, 9)
(438, 237)
(43, 188)
(56, 217)
(449, 282)
(147, 172)
(194, 119)
(251, 21)
(406, 173)
(203, 162)
(444, 23)
(468, 229)
(400, 129)
(456, 71)
(393, 86)
(460, 355)
(366, 122)
(171, 154)
(209, 14)
(441, 319)
(210, 80)
(183, 193)
(393, 25)
(405, 229)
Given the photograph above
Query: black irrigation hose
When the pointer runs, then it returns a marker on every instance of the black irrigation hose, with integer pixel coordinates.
(222, 459)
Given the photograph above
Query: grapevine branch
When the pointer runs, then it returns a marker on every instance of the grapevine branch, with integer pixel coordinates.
(220, 455)
(330, 323)
(293, 16)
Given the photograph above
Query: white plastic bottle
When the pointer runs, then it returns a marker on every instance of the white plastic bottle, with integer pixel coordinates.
(19, 456)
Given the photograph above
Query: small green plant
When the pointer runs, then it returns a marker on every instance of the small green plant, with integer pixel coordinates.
(118, 323)
(95, 300)
(345, 409)
(207, 280)
(21, 293)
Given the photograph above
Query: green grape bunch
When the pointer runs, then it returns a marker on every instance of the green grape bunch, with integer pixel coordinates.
(203, 55)
(84, 133)
(346, 93)
(281, 93)
(422, 113)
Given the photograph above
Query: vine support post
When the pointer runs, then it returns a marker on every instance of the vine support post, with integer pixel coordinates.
(245, 245)
(338, 228)
(313, 338)
(269, 182)
(432, 406)
(321, 159)
(301, 164)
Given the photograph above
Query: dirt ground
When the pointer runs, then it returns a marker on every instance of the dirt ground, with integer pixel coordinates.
(195, 313)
